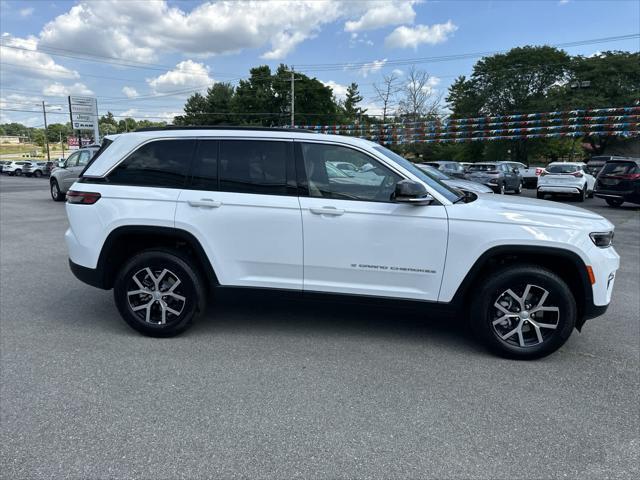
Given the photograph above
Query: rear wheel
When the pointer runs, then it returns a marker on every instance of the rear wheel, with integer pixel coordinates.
(37, 174)
(17, 172)
(523, 312)
(582, 195)
(518, 190)
(614, 202)
(159, 293)
(56, 194)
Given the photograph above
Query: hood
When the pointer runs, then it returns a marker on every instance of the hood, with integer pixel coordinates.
(528, 211)
(468, 185)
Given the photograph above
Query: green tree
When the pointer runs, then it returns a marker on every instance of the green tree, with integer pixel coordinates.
(195, 110)
(352, 99)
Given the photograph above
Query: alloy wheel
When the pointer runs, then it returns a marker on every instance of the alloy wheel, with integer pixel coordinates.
(155, 296)
(522, 316)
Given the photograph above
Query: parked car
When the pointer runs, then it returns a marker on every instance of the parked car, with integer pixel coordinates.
(595, 164)
(34, 169)
(529, 174)
(499, 176)
(464, 185)
(2, 164)
(465, 165)
(14, 168)
(619, 182)
(165, 216)
(566, 178)
(68, 171)
(453, 169)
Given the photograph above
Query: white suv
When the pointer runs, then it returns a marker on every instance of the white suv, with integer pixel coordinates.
(165, 216)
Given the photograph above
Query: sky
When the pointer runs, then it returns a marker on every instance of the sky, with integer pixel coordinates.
(143, 58)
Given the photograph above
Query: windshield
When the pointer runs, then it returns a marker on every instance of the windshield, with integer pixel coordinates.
(449, 193)
(562, 168)
(433, 172)
(483, 167)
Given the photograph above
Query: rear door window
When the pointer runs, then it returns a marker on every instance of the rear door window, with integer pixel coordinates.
(254, 166)
(204, 174)
(161, 163)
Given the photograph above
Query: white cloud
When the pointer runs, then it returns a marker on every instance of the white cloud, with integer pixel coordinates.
(382, 14)
(187, 75)
(26, 12)
(57, 89)
(142, 31)
(404, 37)
(130, 92)
(398, 72)
(25, 54)
(373, 67)
(339, 90)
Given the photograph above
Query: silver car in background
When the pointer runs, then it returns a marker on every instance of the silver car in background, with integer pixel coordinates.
(464, 185)
(68, 171)
(499, 176)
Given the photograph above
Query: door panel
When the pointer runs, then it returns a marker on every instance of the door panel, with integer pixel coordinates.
(252, 231)
(356, 239)
(373, 248)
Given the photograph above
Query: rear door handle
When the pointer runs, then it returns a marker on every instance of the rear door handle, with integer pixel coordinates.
(327, 211)
(205, 202)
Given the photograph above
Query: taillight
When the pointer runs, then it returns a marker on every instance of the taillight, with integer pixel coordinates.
(577, 174)
(543, 173)
(83, 198)
(539, 171)
(630, 176)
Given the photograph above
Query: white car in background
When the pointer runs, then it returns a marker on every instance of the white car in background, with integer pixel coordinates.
(566, 178)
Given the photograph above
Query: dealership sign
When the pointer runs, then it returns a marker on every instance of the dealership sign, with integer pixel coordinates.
(84, 113)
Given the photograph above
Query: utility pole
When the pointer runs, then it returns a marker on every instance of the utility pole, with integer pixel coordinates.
(61, 144)
(46, 131)
(293, 97)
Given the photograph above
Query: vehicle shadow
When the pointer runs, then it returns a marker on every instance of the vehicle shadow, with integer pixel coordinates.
(238, 314)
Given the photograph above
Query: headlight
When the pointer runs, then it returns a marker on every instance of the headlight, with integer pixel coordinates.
(602, 239)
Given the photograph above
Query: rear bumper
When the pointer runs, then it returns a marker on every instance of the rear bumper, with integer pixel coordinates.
(558, 188)
(90, 276)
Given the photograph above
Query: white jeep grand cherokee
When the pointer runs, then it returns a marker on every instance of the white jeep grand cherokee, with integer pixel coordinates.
(164, 216)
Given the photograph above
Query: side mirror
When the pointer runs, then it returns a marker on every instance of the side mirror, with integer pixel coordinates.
(62, 163)
(515, 170)
(408, 191)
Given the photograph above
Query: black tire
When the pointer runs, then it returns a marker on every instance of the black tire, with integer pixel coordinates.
(17, 172)
(518, 190)
(501, 189)
(590, 193)
(614, 202)
(37, 174)
(483, 313)
(540, 195)
(582, 195)
(56, 194)
(147, 319)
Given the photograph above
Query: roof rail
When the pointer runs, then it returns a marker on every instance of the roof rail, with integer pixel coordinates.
(221, 127)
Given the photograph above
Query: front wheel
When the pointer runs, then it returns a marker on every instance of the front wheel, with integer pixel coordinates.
(523, 312)
(37, 174)
(159, 293)
(17, 172)
(540, 195)
(56, 194)
(614, 202)
(501, 189)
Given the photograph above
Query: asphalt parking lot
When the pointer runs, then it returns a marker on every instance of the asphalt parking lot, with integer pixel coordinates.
(287, 390)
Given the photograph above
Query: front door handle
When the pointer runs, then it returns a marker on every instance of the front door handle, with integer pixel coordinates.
(327, 211)
(204, 202)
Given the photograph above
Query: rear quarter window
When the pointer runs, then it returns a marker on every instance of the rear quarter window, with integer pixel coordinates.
(160, 163)
(620, 168)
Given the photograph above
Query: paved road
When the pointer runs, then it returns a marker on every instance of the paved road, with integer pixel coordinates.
(295, 389)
